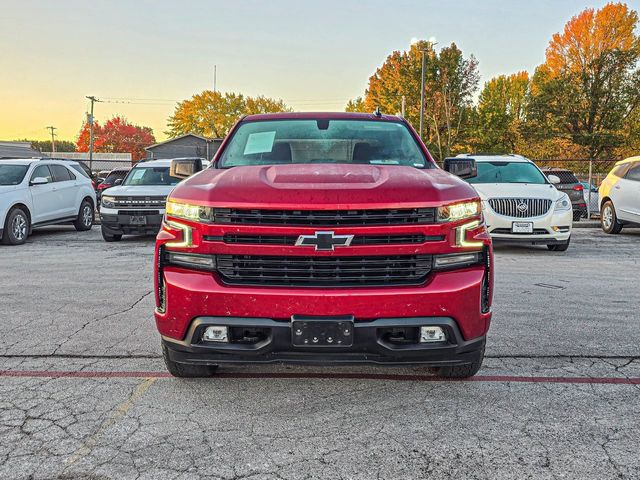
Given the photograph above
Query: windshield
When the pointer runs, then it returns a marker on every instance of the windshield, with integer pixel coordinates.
(12, 174)
(508, 172)
(368, 142)
(150, 176)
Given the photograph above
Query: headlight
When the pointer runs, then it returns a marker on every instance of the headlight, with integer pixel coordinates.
(197, 213)
(563, 204)
(108, 201)
(458, 211)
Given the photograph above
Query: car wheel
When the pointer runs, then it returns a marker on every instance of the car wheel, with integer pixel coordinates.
(109, 237)
(560, 247)
(183, 370)
(16, 227)
(462, 371)
(609, 219)
(85, 218)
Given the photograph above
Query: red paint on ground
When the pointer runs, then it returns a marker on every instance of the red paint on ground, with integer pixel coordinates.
(320, 375)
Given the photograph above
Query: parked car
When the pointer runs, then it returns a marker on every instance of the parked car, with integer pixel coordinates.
(135, 205)
(326, 238)
(620, 196)
(113, 178)
(570, 185)
(37, 192)
(594, 202)
(520, 203)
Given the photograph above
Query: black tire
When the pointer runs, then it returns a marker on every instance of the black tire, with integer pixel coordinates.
(462, 371)
(609, 219)
(560, 247)
(86, 216)
(109, 237)
(17, 227)
(183, 370)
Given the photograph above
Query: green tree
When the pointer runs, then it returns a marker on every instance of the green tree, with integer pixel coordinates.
(589, 84)
(501, 112)
(450, 83)
(45, 145)
(355, 105)
(212, 114)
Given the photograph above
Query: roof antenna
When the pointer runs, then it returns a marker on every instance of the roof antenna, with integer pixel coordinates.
(378, 113)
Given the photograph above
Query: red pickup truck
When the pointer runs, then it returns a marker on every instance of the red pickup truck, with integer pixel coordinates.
(328, 238)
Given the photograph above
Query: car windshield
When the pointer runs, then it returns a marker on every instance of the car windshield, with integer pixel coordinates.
(150, 176)
(369, 142)
(12, 174)
(508, 172)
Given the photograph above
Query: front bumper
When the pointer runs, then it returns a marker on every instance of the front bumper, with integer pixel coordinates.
(499, 227)
(118, 222)
(370, 345)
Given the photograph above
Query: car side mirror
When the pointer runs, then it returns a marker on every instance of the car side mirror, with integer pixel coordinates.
(554, 179)
(461, 167)
(39, 181)
(185, 167)
(99, 180)
(118, 181)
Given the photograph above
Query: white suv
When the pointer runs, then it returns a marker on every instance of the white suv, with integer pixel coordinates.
(36, 192)
(520, 203)
(620, 196)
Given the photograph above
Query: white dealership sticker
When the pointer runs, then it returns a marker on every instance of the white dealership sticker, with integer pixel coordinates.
(259, 142)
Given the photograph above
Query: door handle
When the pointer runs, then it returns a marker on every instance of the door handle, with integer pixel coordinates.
(617, 187)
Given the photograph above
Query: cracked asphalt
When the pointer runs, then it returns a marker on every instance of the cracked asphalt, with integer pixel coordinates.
(84, 393)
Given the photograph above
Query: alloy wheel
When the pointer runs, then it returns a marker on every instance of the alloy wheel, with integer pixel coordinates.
(87, 216)
(607, 217)
(19, 227)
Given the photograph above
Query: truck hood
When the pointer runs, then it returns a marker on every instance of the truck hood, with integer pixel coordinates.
(139, 190)
(324, 186)
(517, 190)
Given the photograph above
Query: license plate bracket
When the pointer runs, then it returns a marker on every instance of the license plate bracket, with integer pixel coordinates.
(137, 220)
(322, 331)
(522, 227)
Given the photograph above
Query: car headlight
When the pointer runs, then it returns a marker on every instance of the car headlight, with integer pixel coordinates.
(108, 201)
(197, 213)
(563, 203)
(458, 211)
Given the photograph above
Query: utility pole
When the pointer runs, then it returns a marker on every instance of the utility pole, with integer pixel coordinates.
(431, 43)
(53, 142)
(90, 119)
(403, 105)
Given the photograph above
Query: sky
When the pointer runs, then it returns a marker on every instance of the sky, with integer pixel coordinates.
(140, 57)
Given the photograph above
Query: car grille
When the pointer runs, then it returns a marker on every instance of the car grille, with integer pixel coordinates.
(520, 207)
(125, 202)
(324, 271)
(357, 239)
(138, 212)
(507, 231)
(326, 217)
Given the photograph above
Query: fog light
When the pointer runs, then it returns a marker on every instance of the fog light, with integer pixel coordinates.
(216, 333)
(432, 334)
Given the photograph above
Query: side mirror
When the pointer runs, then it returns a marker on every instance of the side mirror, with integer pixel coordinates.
(118, 181)
(554, 179)
(99, 180)
(185, 167)
(39, 181)
(461, 167)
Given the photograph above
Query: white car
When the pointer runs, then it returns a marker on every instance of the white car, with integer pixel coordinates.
(620, 196)
(520, 203)
(36, 192)
(135, 205)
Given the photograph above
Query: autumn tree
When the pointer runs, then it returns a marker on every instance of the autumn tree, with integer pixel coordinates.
(355, 105)
(450, 83)
(45, 145)
(212, 114)
(116, 135)
(501, 113)
(589, 84)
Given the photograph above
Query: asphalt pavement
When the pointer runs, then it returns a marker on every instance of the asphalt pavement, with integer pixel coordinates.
(84, 393)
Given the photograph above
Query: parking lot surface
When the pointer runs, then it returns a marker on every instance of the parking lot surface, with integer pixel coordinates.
(84, 393)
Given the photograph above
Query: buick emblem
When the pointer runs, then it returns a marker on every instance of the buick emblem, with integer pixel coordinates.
(522, 207)
(324, 240)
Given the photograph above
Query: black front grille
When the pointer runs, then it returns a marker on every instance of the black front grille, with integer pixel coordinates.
(357, 239)
(138, 212)
(324, 271)
(140, 202)
(507, 231)
(326, 217)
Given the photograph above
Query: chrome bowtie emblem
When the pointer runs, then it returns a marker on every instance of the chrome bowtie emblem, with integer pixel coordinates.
(324, 240)
(522, 207)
